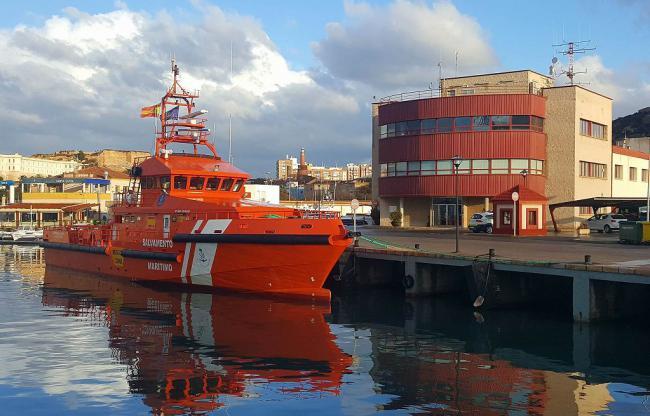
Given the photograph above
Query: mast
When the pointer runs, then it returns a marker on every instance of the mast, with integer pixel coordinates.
(179, 121)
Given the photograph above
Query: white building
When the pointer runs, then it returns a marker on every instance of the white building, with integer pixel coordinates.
(14, 166)
(263, 193)
(629, 173)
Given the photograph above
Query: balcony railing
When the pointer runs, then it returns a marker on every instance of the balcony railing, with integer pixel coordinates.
(464, 90)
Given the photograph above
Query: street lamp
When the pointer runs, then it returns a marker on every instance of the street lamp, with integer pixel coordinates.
(457, 160)
(524, 173)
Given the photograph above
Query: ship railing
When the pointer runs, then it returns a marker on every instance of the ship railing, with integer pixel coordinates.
(127, 198)
(318, 214)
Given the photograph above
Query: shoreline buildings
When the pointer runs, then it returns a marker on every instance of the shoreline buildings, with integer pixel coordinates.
(506, 129)
(292, 168)
(12, 167)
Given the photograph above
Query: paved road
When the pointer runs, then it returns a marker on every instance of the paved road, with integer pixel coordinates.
(604, 249)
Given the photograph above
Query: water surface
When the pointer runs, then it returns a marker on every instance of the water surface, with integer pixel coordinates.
(72, 343)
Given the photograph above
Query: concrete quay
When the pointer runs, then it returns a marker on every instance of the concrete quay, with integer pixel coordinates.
(614, 282)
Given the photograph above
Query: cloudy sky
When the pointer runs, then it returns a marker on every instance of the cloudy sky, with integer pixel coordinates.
(74, 73)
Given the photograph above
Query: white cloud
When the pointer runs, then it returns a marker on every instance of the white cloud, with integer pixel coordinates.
(625, 86)
(79, 80)
(400, 44)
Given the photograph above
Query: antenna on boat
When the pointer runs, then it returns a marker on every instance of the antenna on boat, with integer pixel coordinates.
(230, 115)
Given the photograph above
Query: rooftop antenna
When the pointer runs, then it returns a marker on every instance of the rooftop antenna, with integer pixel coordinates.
(456, 63)
(570, 49)
(440, 77)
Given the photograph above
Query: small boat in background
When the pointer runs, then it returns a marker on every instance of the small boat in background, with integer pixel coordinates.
(26, 233)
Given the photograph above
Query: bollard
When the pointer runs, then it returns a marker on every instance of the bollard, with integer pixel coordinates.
(587, 259)
(356, 242)
(491, 252)
(417, 246)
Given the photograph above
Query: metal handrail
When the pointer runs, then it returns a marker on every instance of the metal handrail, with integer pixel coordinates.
(479, 90)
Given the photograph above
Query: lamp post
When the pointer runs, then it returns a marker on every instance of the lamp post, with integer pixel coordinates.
(647, 206)
(524, 173)
(457, 160)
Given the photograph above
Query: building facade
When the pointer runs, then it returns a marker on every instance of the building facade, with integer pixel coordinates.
(12, 167)
(507, 129)
(291, 168)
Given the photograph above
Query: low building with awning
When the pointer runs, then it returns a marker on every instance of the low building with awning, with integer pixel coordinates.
(42, 214)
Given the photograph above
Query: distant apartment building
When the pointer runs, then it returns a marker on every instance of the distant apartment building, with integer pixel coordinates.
(287, 168)
(291, 168)
(508, 129)
(12, 167)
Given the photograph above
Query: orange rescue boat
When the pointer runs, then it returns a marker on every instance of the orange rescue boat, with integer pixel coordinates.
(184, 219)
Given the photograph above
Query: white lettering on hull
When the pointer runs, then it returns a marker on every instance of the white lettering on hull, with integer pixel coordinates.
(150, 242)
(159, 267)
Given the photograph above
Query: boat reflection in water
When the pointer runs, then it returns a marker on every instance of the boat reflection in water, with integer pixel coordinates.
(186, 351)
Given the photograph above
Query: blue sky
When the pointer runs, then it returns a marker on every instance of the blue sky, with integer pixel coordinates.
(335, 55)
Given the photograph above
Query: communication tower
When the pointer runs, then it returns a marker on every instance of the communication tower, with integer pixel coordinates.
(569, 49)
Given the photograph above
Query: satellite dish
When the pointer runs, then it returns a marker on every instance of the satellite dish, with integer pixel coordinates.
(554, 60)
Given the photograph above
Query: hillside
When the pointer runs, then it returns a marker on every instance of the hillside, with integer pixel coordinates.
(633, 125)
(119, 160)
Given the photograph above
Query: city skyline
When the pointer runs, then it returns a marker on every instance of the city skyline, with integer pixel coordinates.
(302, 74)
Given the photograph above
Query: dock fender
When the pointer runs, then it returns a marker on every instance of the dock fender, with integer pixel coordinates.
(408, 281)
(179, 258)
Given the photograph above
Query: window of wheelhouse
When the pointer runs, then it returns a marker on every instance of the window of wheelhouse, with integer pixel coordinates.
(238, 185)
(212, 184)
(226, 184)
(148, 182)
(165, 183)
(180, 182)
(196, 183)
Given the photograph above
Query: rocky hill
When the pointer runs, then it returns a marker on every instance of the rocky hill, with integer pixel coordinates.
(633, 125)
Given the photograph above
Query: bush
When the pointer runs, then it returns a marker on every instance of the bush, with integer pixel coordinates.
(396, 218)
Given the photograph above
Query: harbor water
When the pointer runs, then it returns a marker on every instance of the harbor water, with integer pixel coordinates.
(74, 343)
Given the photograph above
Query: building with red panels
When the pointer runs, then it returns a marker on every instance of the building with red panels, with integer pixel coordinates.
(495, 125)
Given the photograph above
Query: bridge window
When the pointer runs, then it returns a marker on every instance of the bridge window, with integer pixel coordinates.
(148, 182)
(212, 184)
(238, 185)
(180, 182)
(226, 184)
(164, 183)
(196, 183)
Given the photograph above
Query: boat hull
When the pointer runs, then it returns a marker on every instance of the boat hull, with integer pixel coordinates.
(280, 269)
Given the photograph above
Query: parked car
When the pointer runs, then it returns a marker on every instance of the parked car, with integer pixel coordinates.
(482, 222)
(605, 223)
(349, 220)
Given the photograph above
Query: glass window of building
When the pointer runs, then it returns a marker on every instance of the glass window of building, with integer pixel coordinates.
(400, 128)
(400, 169)
(536, 167)
(428, 126)
(413, 127)
(444, 125)
(593, 170)
(462, 123)
(499, 166)
(500, 122)
(644, 175)
(444, 167)
(517, 165)
(520, 122)
(480, 123)
(633, 174)
(391, 169)
(480, 166)
(428, 167)
(618, 171)
(414, 168)
(464, 166)
(383, 170)
(537, 123)
(383, 131)
(390, 130)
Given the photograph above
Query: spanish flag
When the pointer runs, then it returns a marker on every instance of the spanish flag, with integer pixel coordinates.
(151, 111)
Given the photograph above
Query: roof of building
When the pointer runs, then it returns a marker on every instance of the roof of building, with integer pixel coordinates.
(66, 207)
(525, 194)
(98, 172)
(578, 86)
(499, 73)
(629, 152)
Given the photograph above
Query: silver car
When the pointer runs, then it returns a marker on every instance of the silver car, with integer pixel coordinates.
(605, 223)
(482, 222)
